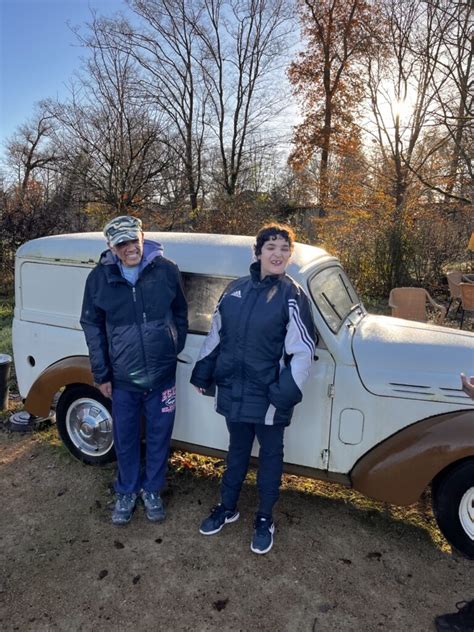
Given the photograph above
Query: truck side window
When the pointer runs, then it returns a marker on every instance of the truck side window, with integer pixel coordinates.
(202, 293)
(333, 295)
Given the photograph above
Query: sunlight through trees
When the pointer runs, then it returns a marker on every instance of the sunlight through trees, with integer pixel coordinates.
(177, 114)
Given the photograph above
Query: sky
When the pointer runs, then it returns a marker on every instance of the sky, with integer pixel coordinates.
(39, 53)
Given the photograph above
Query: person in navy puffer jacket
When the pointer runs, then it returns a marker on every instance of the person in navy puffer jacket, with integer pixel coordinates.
(258, 353)
(134, 317)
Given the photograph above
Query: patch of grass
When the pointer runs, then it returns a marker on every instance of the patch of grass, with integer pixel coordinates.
(6, 316)
(13, 407)
(6, 308)
(49, 435)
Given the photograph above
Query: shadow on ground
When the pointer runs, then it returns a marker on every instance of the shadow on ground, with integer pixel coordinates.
(336, 565)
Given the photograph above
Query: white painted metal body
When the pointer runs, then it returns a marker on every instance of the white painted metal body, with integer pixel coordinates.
(374, 375)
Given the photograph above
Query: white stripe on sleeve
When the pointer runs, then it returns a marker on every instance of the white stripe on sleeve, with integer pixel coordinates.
(213, 337)
(270, 415)
(300, 345)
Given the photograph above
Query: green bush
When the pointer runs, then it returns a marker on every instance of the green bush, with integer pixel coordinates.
(6, 316)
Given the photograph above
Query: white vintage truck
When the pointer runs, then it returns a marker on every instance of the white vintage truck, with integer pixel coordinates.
(382, 412)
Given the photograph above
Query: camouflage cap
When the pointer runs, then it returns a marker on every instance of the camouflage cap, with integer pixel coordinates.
(122, 228)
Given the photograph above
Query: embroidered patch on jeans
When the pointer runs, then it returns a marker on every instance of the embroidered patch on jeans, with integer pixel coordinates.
(168, 400)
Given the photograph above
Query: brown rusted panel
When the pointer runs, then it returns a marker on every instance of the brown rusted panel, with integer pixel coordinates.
(398, 470)
(67, 371)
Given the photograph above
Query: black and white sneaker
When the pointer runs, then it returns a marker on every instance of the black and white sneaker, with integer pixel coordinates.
(218, 517)
(262, 540)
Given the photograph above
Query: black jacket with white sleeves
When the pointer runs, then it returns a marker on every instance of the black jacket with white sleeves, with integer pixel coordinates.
(259, 349)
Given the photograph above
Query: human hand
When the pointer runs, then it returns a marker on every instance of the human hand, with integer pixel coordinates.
(106, 389)
(468, 385)
(199, 389)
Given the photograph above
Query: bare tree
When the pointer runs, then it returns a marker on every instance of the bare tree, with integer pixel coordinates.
(163, 43)
(29, 150)
(107, 133)
(30, 204)
(206, 66)
(242, 47)
(454, 96)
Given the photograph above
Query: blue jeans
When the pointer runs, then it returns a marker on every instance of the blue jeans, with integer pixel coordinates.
(158, 408)
(270, 463)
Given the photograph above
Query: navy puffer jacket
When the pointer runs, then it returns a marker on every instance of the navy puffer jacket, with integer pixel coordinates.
(259, 349)
(134, 333)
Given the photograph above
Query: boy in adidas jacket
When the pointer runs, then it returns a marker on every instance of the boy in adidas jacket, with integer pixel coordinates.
(258, 353)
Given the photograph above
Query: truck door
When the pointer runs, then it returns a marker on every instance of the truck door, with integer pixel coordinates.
(307, 438)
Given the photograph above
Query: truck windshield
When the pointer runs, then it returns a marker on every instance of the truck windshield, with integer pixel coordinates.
(333, 295)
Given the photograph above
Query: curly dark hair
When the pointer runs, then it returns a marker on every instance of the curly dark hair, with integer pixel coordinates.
(272, 231)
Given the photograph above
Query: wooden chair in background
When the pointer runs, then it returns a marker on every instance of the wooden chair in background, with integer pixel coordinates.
(411, 302)
(454, 281)
(467, 299)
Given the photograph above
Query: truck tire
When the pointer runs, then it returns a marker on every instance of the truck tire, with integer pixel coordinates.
(84, 421)
(453, 506)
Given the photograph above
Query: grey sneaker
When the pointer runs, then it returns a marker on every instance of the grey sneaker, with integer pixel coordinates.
(262, 540)
(218, 517)
(154, 508)
(124, 508)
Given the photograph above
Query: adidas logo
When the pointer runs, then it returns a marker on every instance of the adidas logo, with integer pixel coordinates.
(237, 294)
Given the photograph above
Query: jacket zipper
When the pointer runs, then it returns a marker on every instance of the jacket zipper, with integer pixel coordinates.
(135, 300)
(253, 301)
(134, 295)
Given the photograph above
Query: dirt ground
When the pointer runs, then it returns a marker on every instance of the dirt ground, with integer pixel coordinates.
(334, 566)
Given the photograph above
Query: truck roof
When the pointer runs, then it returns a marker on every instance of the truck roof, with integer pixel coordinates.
(193, 251)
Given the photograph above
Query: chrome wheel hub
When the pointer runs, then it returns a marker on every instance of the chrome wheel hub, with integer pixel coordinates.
(466, 512)
(89, 425)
